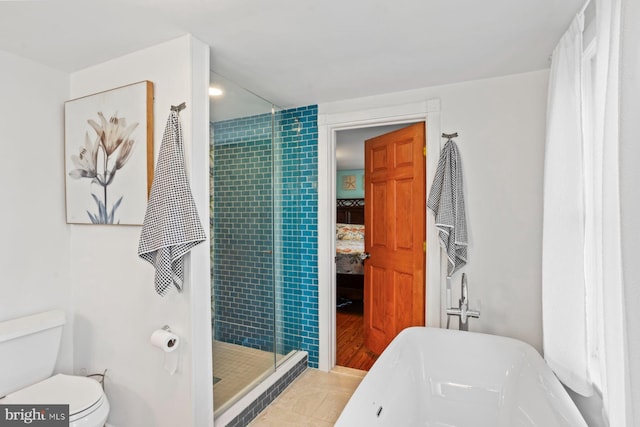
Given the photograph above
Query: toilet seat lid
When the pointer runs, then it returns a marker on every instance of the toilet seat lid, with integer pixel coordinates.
(79, 393)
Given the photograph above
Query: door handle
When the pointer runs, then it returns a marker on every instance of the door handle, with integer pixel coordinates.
(365, 255)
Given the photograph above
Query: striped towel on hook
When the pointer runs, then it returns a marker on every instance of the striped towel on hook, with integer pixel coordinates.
(171, 225)
(446, 201)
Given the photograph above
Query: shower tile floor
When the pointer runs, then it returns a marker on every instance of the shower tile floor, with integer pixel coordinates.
(237, 370)
(315, 399)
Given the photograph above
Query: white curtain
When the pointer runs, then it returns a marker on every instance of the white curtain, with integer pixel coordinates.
(563, 261)
(613, 350)
(583, 290)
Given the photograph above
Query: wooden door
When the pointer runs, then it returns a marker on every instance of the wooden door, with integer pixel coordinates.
(395, 212)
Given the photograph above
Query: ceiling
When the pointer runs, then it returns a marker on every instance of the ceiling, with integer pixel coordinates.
(300, 52)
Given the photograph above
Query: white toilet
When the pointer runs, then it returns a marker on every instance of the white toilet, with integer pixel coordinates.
(28, 352)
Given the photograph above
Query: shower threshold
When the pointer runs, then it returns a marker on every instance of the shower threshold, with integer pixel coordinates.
(253, 396)
(237, 369)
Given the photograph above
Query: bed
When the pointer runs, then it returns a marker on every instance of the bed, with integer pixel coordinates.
(349, 247)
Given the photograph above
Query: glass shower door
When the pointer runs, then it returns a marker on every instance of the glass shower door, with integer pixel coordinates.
(244, 230)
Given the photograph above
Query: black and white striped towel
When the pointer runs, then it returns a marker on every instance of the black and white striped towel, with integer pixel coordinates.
(446, 201)
(171, 225)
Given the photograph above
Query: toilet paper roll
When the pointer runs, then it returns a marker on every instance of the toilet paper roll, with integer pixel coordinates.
(168, 342)
(165, 340)
(171, 362)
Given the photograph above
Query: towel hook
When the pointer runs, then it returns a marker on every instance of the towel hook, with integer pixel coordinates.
(450, 135)
(179, 108)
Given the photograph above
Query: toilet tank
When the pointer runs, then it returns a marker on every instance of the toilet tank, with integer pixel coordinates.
(28, 349)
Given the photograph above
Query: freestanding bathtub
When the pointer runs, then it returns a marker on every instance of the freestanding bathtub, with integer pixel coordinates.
(443, 378)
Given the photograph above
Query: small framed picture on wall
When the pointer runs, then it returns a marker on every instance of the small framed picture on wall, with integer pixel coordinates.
(349, 182)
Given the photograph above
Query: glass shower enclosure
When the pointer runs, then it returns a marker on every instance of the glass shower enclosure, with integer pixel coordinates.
(251, 320)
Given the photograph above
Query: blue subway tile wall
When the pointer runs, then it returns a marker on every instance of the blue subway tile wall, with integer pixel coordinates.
(242, 227)
(264, 231)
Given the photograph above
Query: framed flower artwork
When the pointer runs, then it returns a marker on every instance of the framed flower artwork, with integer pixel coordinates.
(109, 155)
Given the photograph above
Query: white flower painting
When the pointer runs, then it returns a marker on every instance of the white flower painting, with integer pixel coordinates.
(109, 155)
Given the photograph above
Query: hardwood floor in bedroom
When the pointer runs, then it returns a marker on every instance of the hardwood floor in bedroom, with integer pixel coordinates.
(351, 351)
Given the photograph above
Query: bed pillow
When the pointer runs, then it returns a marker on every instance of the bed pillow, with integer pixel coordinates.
(350, 231)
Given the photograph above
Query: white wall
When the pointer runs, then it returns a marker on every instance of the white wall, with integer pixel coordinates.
(34, 255)
(630, 192)
(501, 123)
(115, 303)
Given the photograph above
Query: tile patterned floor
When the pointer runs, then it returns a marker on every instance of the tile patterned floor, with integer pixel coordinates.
(315, 399)
(237, 369)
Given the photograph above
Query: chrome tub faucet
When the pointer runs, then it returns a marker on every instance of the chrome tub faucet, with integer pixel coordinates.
(463, 310)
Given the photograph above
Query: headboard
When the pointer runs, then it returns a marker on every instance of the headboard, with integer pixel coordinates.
(350, 211)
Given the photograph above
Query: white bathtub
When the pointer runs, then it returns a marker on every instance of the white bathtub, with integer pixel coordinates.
(441, 378)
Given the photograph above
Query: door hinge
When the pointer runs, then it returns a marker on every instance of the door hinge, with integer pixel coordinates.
(424, 150)
(424, 245)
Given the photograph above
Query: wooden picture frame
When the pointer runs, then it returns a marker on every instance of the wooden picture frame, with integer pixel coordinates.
(108, 152)
(349, 182)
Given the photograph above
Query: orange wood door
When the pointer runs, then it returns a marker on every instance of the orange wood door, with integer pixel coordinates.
(395, 212)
